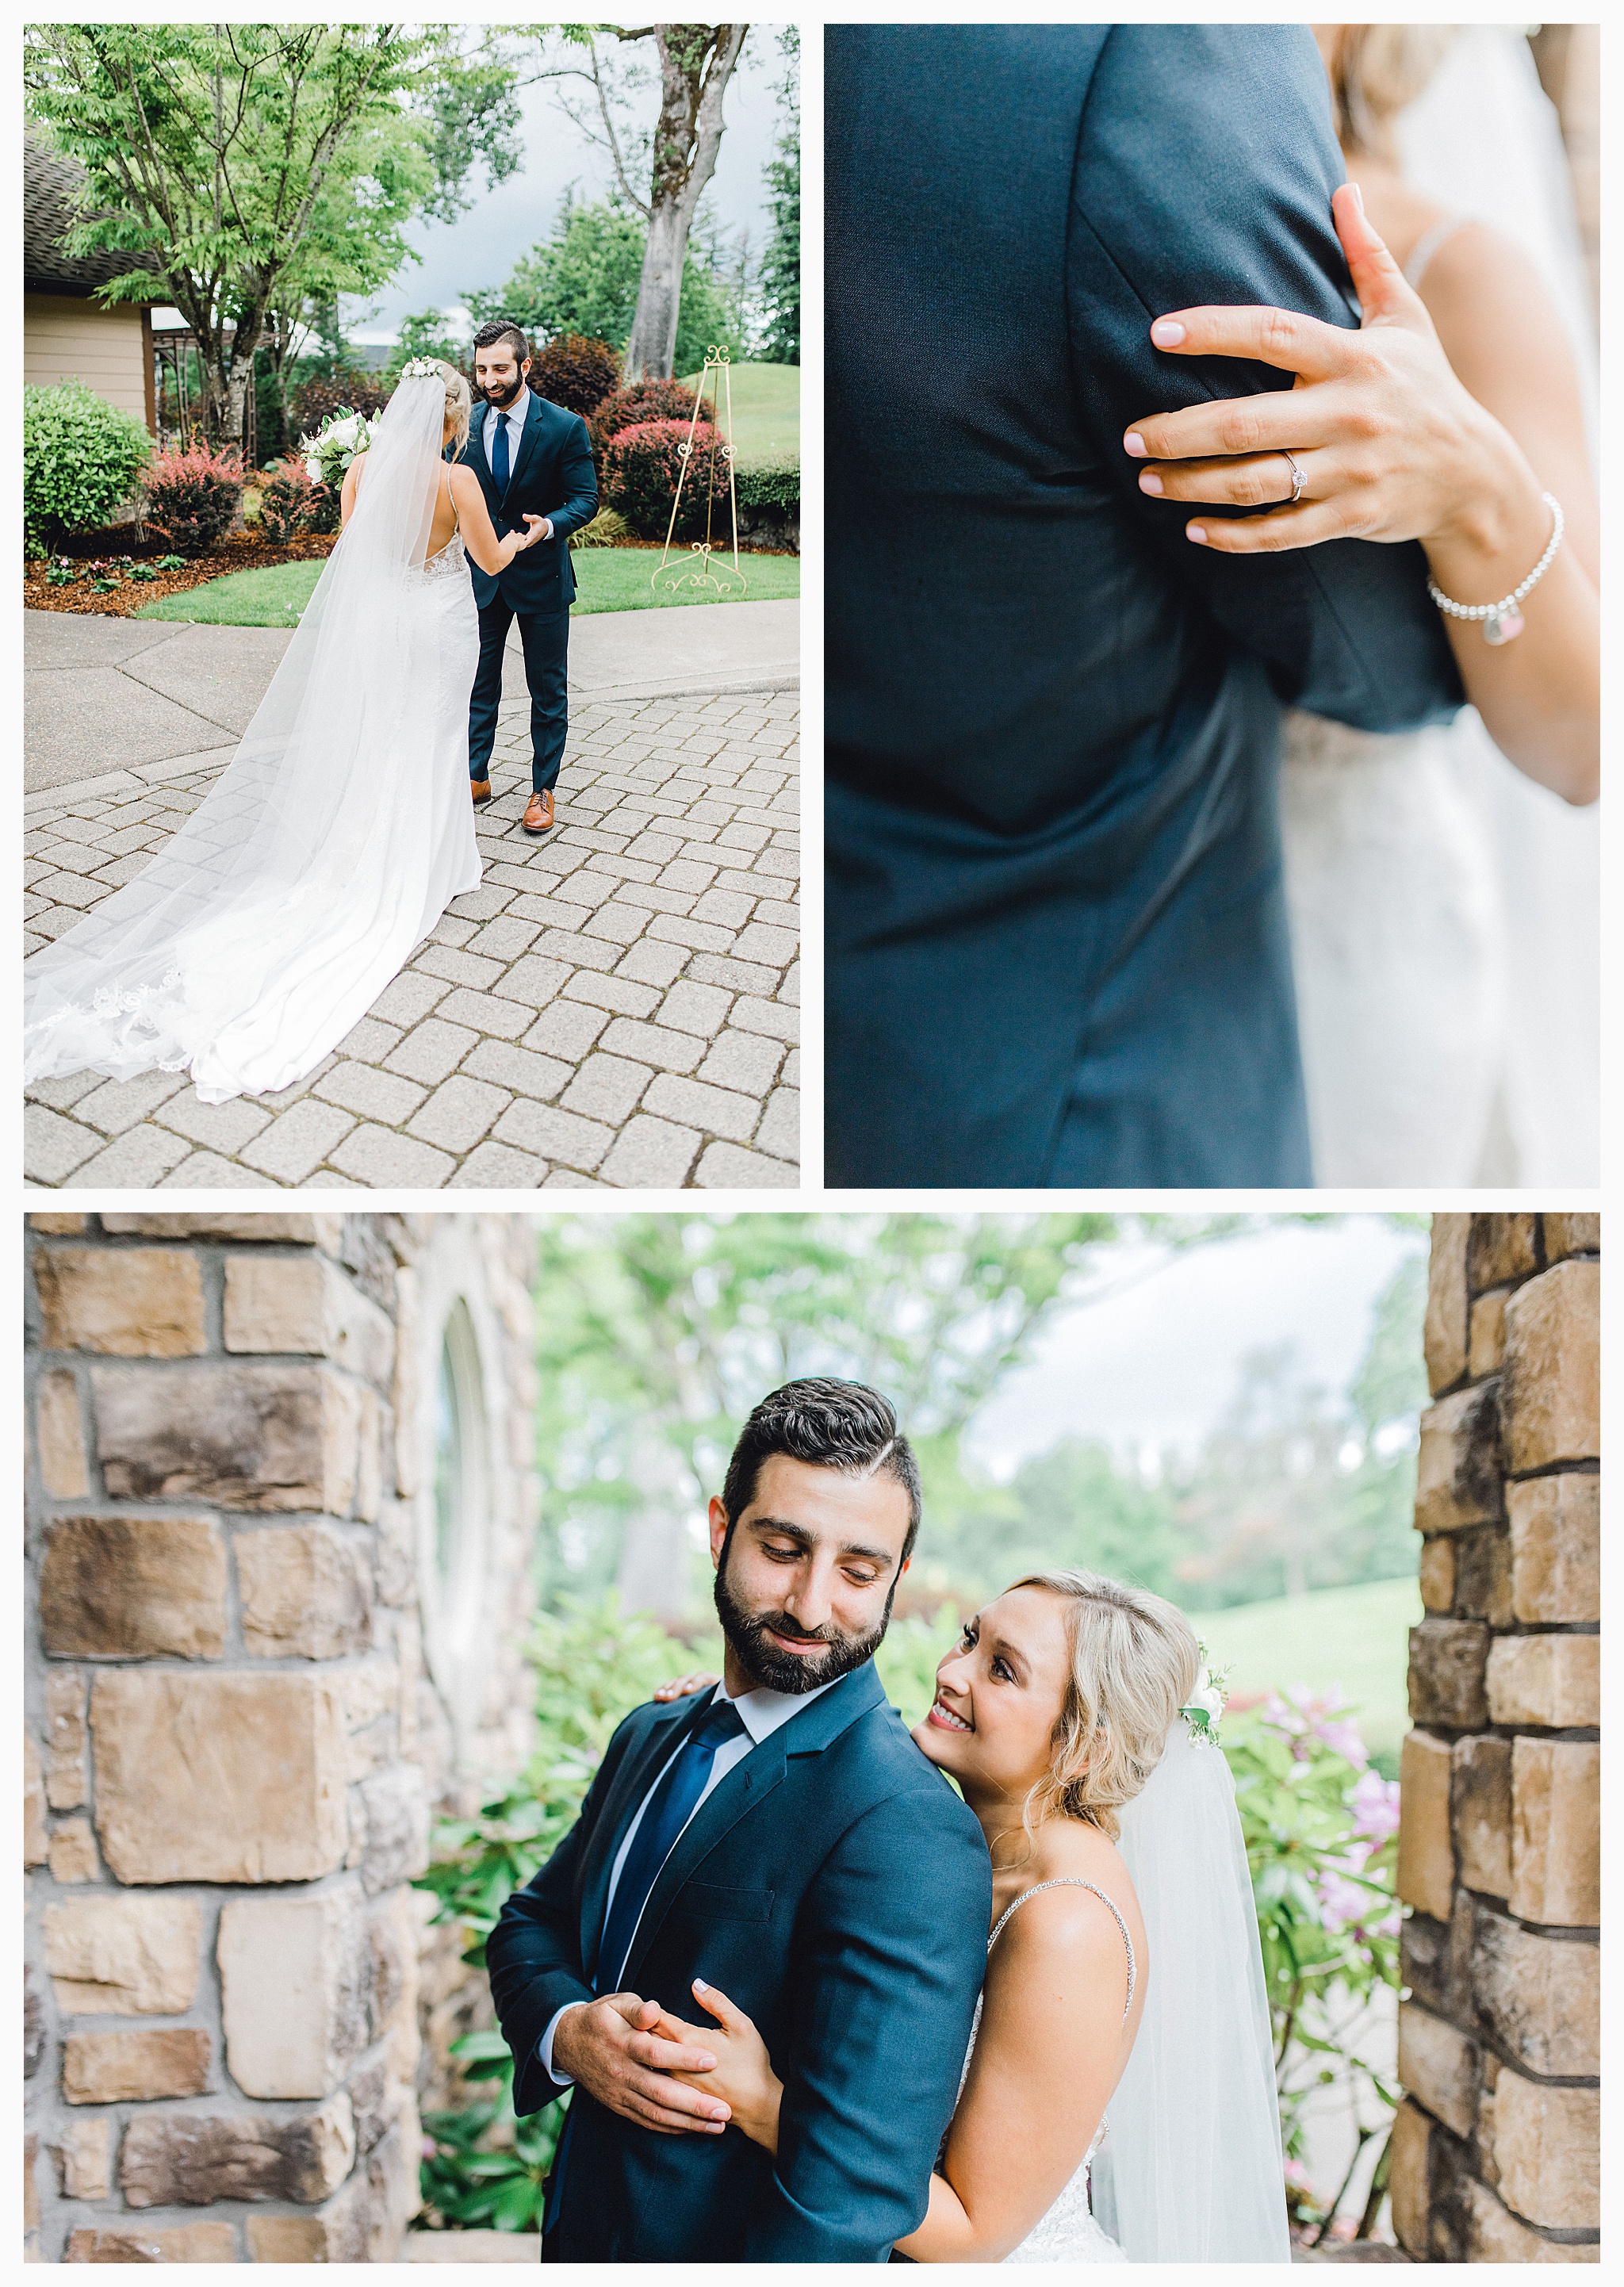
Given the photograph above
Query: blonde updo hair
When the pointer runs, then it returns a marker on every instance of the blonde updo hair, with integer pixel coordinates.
(459, 400)
(1134, 1663)
(1375, 70)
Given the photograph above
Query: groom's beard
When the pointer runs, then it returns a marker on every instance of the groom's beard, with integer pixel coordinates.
(500, 395)
(774, 1670)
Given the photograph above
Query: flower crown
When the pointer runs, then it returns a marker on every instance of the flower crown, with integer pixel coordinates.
(421, 368)
(1208, 1701)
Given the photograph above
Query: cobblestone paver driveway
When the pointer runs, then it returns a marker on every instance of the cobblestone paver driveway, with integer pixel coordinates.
(614, 1006)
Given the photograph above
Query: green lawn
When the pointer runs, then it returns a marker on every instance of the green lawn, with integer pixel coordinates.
(607, 579)
(766, 413)
(1356, 1639)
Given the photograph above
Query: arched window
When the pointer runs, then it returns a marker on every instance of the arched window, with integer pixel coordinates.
(448, 1468)
(454, 1545)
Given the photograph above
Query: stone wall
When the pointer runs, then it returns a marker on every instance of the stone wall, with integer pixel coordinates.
(1496, 2151)
(235, 1734)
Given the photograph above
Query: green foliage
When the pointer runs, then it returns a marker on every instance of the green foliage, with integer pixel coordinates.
(778, 283)
(770, 487)
(285, 504)
(347, 389)
(605, 530)
(81, 460)
(585, 280)
(425, 335)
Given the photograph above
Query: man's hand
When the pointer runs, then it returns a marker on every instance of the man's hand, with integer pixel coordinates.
(607, 2045)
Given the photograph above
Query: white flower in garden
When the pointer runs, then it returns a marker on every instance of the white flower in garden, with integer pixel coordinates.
(312, 467)
(346, 431)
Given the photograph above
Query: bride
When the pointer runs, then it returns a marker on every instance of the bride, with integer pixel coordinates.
(334, 838)
(1123, 1970)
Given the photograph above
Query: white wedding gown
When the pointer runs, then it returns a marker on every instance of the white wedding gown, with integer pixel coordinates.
(328, 848)
(1445, 909)
(1067, 2232)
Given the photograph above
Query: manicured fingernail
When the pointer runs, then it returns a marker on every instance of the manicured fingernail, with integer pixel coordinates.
(1167, 333)
(706, 2064)
(700, 1985)
(1133, 445)
(1194, 531)
(1150, 482)
(1359, 196)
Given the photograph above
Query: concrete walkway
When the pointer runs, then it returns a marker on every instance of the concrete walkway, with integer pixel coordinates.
(113, 704)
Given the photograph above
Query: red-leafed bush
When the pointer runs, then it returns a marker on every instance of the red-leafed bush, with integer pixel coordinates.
(193, 496)
(639, 402)
(285, 502)
(641, 466)
(577, 372)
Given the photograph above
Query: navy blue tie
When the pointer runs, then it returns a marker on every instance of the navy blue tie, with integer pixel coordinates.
(499, 452)
(666, 1812)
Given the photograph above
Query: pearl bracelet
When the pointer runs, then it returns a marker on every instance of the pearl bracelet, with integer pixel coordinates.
(1502, 621)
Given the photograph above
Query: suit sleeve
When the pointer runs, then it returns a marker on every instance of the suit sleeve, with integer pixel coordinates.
(891, 1950)
(578, 477)
(1204, 174)
(533, 1956)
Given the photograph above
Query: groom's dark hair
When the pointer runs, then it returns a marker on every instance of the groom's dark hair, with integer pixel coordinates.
(832, 1425)
(503, 329)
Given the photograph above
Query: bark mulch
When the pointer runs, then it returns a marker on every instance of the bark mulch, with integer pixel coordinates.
(241, 552)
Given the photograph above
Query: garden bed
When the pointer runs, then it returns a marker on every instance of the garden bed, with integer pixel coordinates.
(243, 551)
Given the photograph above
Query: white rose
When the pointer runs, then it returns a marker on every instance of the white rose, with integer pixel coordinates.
(312, 467)
(345, 432)
(1211, 1699)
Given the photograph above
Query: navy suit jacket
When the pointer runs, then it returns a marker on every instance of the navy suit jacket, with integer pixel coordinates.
(552, 475)
(838, 1889)
(1056, 948)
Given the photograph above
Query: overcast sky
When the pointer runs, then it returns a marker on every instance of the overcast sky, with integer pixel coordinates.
(480, 249)
(1158, 1363)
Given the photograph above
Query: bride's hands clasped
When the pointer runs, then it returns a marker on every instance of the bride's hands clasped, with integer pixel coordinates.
(742, 2076)
(1389, 443)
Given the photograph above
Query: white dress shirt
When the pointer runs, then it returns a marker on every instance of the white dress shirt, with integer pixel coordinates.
(761, 1713)
(514, 415)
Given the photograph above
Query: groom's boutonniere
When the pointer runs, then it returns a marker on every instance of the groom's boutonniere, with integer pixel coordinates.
(1208, 1701)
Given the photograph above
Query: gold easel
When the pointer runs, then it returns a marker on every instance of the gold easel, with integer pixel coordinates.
(696, 568)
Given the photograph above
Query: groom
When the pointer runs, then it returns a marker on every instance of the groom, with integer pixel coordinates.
(531, 457)
(1055, 939)
(783, 1838)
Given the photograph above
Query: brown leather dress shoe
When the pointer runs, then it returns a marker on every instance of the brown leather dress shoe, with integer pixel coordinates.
(538, 816)
(481, 789)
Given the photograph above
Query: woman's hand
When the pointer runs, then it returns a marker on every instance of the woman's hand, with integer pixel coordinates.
(682, 1686)
(1389, 444)
(742, 2076)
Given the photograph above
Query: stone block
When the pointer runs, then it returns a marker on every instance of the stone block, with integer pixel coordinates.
(1493, 2234)
(190, 2159)
(1555, 1548)
(134, 2067)
(73, 1852)
(372, 2094)
(61, 1437)
(1439, 2066)
(294, 1980)
(370, 1457)
(1483, 1575)
(211, 1777)
(187, 2243)
(139, 1302)
(1444, 1335)
(1458, 1467)
(1551, 1399)
(1541, 1998)
(404, 1396)
(282, 1303)
(35, 1842)
(305, 1591)
(1555, 1834)
(242, 1436)
(66, 1737)
(395, 1551)
(85, 2149)
(1548, 2152)
(1571, 1234)
(60, 1226)
(395, 1971)
(1551, 1680)
(371, 1689)
(391, 2184)
(1488, 1343)
(1446, 1665)
(1501, 1247)
(1410, 2170)
(1437, 1573)
(395, 1814)
(322, 1230)
(1482, 1807)
(133, 1586)
(334, 2234)
(124, 1956)
(1425, 1876)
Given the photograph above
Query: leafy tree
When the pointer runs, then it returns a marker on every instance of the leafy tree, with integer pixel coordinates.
(426, 335)
(255, 168)
(780, 282)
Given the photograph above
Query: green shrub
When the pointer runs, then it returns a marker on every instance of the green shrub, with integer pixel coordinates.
(641, 467)
(777, 487)
(605, 530)
(345, 389)
(285, 504)
(192, 496)
(577, 372)
(82, 461)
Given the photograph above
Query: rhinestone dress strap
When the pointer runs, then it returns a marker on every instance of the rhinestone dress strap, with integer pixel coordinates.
(1073, 1882)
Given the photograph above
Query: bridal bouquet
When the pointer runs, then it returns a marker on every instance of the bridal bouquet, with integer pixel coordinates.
(341, 438)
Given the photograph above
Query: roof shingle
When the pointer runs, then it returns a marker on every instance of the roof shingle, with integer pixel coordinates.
(52, 185)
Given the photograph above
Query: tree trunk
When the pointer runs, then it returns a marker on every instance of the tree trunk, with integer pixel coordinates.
(696, 62)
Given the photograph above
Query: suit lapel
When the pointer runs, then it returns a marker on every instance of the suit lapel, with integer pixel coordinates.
(633, 1780)
(474, 457)
(528, 441)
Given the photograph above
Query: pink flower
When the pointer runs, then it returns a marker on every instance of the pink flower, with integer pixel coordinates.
(1376, 1807)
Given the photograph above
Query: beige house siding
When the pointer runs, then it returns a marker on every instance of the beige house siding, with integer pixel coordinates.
(67, 338)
